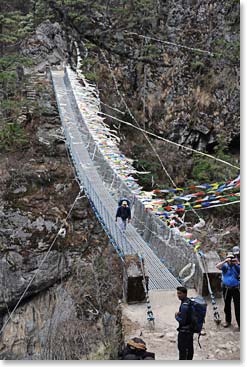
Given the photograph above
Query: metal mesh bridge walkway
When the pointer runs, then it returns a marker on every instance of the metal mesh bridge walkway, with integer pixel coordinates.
(129, 242)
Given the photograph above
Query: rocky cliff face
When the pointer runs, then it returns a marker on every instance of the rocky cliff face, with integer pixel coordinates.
(46, 47)
(70, 309)
(175, 64)
(180, 82)
(191, 97)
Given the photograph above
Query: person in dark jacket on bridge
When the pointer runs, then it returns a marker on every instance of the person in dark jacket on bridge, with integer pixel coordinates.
(185, 335)
(124, 214)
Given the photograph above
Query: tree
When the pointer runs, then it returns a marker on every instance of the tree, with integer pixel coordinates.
(14, 26)
(15, 23)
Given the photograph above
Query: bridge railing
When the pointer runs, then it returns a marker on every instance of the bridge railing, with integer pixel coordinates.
(172, 250)
(106, 213)
(162, 240)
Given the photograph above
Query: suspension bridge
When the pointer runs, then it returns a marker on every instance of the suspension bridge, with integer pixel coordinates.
(77, 135)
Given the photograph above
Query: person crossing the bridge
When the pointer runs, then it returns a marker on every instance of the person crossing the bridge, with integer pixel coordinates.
(124, 214)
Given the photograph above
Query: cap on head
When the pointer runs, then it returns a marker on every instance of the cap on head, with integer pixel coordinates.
(230, 255)
(236, 250)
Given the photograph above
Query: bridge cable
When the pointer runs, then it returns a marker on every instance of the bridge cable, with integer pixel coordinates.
(172, 43)
(106, 230)
(150, 315)
(171, 142)
(217, 318)
(133, 118)
(189, 276)
(143, 130)
(126, 106)
(41, 263)
(218, 205)
(99, 218)
(79, 73)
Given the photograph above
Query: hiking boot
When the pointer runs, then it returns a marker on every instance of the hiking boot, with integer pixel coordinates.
(226, 324)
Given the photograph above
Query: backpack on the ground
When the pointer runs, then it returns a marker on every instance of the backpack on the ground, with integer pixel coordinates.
(198, 313)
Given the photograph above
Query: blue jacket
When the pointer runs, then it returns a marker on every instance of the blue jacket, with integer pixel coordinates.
(184, 318)
(231, 275)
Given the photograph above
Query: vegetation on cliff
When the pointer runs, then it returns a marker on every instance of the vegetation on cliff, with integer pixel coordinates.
(176, 67)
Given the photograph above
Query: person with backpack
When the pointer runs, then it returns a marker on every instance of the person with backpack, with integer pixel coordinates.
(123, 213)
(185, 334)
(230, 268)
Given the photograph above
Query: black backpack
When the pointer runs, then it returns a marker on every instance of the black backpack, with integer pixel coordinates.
(198, 308)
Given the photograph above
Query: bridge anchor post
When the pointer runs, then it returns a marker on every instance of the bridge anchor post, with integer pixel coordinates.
(133, 289)
(207, 266)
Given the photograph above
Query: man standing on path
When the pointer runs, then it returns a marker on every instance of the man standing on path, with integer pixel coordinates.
(124, 213)
(230, 268)
(183, 316)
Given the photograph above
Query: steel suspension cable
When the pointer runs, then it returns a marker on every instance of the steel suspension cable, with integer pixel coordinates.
(172, 43)
(217, 318)
(172, 142)
(133, 118)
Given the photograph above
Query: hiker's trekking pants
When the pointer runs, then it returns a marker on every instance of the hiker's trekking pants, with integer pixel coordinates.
(228, 294)
(122, 223)
(185, 346)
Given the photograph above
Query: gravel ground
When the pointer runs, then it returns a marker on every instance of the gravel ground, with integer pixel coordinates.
(218, 343)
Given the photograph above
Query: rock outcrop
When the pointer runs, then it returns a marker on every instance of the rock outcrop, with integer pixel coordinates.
(46, 47)
(181, 82)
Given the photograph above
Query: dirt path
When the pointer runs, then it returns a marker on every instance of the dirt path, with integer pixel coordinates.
(218, 343)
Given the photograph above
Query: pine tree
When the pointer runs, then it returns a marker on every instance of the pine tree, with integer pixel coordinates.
(14, 26)
(16, 22)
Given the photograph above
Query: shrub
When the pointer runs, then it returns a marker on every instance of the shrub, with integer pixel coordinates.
(12, 135)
